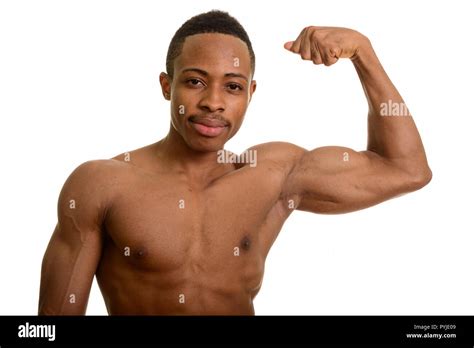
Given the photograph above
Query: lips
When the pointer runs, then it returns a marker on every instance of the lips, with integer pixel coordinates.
(208, 127)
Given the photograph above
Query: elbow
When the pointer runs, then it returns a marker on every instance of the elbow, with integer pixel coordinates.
(420, 177)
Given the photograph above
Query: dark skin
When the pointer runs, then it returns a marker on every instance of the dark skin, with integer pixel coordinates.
(168, 229)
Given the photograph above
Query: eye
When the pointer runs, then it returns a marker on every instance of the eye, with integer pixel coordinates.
(194, 82)
(235, 87)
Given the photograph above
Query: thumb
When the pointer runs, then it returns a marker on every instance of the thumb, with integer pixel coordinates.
(288, 45)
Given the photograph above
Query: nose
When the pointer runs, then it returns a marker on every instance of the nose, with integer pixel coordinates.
(212, 99)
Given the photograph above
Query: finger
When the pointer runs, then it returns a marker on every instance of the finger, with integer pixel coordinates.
(315, 54)
(288, 45)
(305, 46)
(332, 56)
(335, 52)
(295, 48)
(328, 59)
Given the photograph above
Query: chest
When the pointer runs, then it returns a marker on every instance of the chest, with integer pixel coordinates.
(166, 223)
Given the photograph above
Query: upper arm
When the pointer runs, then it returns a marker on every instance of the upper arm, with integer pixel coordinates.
(74, 250)
(337, 180)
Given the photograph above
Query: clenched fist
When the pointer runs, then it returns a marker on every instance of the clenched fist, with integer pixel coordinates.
(325, 45)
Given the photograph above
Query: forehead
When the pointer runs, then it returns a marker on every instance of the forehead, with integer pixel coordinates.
(214, 52)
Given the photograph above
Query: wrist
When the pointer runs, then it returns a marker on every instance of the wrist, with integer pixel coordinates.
(364, 49)
(365, 59)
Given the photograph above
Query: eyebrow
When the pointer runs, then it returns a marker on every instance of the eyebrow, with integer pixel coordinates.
(205, 73)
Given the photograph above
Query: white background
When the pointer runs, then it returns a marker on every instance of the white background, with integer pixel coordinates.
(79, 81)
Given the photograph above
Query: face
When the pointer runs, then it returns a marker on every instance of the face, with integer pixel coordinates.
(210, 91)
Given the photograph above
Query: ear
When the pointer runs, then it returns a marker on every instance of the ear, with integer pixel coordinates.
(253, 87)
(165, 82)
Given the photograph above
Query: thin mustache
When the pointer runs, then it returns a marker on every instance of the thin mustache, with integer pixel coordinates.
(209, 117)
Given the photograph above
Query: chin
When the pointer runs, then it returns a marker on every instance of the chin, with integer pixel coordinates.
(203, 144)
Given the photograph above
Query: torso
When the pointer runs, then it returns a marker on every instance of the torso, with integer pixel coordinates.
(171, 248)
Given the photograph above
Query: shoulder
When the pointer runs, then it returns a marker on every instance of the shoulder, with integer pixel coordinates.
(94, 172)
(278, 150)
(277, 153)
(91, 183)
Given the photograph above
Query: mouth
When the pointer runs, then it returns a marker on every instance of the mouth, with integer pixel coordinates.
(208, 127)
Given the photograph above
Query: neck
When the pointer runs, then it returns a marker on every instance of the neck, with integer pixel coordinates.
(179, 157)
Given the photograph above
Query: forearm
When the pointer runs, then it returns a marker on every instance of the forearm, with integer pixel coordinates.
(392, 133)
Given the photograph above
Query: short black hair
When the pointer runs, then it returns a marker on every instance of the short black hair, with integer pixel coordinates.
(210, 22)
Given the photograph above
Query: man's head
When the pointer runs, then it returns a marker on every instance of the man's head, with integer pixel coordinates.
(210, 66)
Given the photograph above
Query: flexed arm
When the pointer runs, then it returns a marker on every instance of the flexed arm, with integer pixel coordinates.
(337, 179)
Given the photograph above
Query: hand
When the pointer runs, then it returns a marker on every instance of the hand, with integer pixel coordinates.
(327, 44)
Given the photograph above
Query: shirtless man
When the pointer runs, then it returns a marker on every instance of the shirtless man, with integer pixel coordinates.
(176, 227)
